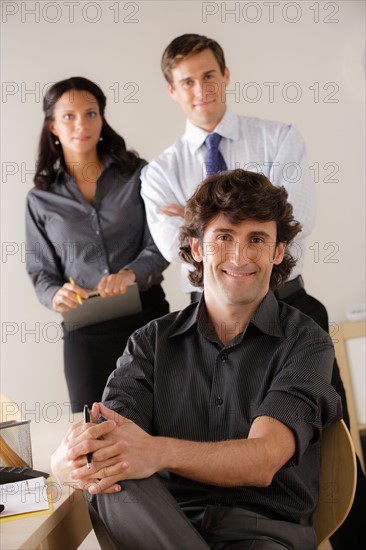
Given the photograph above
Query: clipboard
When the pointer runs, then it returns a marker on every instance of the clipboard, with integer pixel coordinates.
(97, 309)
(26, 498)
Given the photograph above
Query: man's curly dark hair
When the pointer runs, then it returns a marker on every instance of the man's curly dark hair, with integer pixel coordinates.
(239, 195)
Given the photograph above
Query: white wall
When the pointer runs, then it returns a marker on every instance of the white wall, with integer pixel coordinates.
(314, 52)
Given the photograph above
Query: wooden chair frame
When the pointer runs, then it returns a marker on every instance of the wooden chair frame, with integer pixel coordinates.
(338, 474)
(342, 334)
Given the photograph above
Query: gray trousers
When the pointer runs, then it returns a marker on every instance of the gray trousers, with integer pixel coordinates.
(145, 516)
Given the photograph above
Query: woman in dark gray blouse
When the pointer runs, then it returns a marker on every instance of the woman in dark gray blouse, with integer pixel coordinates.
(85, 223)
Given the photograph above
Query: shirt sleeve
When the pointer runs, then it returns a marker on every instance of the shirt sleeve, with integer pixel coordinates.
(291, 169)
(129, 389)
(149, 264)
(42, 263)
(157, 190)
(301, 395)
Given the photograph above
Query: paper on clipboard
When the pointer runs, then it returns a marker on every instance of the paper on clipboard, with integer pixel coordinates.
(24, 497)
(97, 309)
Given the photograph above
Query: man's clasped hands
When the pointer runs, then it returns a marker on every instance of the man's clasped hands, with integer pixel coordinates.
(120, 450)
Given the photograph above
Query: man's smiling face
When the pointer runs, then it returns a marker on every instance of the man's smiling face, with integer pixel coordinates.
(237, 260)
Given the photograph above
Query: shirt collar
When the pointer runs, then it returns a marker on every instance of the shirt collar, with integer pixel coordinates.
(63, 173)
(187, 318)
(266, 318)
(228, 128)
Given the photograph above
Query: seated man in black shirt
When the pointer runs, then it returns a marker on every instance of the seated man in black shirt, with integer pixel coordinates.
(214, 414)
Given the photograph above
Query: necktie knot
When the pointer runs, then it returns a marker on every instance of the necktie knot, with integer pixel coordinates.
(214, 160)
(212, 141)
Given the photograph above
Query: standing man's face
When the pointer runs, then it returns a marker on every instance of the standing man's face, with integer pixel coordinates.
(200, 89)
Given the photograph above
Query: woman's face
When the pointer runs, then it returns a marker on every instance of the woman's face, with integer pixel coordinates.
(77, 122)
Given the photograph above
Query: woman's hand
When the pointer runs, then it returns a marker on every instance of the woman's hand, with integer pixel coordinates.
(117, 283)
(69, 296)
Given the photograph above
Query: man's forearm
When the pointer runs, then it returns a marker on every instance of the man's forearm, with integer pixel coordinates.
(126, 451)
(252, 461)
(225, 463)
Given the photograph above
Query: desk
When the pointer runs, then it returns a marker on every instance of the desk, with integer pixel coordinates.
(69, 523)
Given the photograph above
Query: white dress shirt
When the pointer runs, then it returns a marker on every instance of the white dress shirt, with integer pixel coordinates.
(272, 148)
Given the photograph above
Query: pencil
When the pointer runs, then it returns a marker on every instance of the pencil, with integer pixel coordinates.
(78, 297)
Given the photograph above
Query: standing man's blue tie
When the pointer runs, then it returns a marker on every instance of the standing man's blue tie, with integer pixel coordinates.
(214, 159)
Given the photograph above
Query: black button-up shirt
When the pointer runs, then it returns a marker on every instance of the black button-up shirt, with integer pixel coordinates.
(66, 236)
(176, 379)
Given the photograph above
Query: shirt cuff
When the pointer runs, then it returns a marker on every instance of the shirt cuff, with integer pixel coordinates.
(144, 277)
(304, 420)
(46, 296)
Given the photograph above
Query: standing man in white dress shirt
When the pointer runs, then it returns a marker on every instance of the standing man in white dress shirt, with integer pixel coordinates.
(197, 76)
(194, 67)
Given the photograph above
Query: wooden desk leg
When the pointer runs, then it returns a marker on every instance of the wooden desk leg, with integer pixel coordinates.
(71, 531)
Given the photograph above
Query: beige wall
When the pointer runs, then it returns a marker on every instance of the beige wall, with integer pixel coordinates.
(301, 62)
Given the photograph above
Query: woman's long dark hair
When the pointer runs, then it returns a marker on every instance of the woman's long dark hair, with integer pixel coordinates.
(50, 154)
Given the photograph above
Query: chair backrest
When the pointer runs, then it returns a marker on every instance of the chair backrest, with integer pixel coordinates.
(337, 480)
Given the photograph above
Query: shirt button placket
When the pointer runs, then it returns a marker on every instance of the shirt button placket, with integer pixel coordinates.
(102, 256)
(217, 408)
(219, 400)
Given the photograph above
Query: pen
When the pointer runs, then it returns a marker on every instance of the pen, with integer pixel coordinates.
(86, 415)
(78, 297)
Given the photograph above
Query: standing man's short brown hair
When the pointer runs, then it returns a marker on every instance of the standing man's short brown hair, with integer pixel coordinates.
(185, 46)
